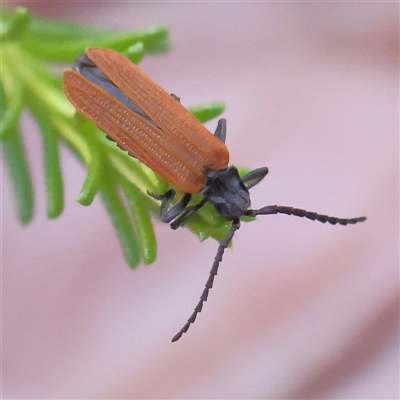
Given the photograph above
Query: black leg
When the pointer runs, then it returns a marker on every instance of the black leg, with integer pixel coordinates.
(224, 243)
(178, 99)
(220, 132)
(186, 214)
(168, 215)
(298, 212)
(255, 176)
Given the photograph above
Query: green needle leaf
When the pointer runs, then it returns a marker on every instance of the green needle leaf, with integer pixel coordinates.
(62, 41)
(135, 52)
(205, 112)
(120, 219)
(15, 159)
(52, 169)
(18, 21)
(92, 182)
(11, 115)
(138, 206)
(11, 102)
(53, 178)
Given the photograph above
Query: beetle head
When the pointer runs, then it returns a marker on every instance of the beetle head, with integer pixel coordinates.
(226, 191)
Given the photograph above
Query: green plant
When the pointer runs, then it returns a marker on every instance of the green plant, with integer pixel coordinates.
(29, 43)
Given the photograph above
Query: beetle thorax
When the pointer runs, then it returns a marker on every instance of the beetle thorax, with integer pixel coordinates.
(226, 191)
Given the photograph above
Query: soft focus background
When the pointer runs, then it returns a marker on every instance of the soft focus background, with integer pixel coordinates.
(299, 309)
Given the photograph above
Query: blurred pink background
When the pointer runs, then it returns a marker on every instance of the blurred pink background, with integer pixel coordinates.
(299, 309)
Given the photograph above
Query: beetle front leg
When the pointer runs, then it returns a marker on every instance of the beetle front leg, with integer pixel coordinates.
(167, 215)
(186, 214)
(255, 176)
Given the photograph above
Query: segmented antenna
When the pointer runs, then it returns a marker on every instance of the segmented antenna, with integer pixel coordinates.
(298, 212)
(223, 244)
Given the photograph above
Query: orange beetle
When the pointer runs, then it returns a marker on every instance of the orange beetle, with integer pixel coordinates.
(155, 128)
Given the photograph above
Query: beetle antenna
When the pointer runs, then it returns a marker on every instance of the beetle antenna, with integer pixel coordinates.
(223, 244)
(298, 212)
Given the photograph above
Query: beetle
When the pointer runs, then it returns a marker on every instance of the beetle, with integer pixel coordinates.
(153, 126)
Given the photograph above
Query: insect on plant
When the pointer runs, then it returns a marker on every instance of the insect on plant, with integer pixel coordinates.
(155, 128)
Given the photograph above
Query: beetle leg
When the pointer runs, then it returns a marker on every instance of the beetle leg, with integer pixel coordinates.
(168, 215)
(220, 132)
(169, 194)
(178, 99)
(255, 176)
(223, 244)
(298, 212)
(186, 214)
